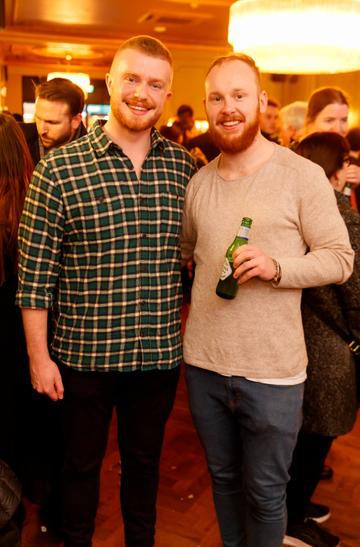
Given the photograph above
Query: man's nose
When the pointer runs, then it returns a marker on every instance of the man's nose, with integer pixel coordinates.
(140, 91)
(42, 128)
(228, 105)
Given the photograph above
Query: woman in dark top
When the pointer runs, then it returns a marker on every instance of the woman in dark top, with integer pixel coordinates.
(15, 172)
(330, 403)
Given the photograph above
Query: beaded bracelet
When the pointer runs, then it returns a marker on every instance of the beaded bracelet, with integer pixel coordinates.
(277, 277)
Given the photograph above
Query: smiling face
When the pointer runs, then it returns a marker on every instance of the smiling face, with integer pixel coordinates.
(139, 86)
(233, 104)
(334, 118)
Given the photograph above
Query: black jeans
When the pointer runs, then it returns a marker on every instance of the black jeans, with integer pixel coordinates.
(143, 402)
(305, 471)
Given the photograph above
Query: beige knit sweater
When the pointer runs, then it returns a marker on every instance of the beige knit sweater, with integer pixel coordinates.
(295, 220)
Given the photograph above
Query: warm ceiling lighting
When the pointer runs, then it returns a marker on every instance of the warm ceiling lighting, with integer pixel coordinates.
(79, 78)
(298, 36)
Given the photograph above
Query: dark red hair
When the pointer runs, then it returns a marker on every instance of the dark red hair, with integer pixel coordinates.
(16, 167)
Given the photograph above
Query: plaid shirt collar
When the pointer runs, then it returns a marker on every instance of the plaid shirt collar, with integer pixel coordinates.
(101, 142)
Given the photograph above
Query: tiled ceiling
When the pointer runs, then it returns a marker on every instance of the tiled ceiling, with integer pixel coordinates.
(89, 31)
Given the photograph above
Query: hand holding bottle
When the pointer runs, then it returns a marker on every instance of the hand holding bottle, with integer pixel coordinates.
(250, 261)
(227, 286)
(353, 174)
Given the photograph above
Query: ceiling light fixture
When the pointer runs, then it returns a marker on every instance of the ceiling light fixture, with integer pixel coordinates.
(79, 78)
(298, 36)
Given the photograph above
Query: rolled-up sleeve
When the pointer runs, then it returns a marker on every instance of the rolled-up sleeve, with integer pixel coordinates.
(40, 240)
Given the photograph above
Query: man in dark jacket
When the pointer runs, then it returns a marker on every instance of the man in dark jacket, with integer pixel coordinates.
(206, 145)
(58, 107)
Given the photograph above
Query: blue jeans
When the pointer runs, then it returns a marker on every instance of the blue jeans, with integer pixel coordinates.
(248, 431)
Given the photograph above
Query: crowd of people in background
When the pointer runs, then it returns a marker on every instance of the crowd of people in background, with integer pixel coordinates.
(327, 109)
(85, 281)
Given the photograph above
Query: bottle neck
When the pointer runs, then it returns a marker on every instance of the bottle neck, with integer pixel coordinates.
(243, 232)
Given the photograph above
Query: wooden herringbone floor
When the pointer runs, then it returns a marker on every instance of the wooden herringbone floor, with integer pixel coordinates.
(185, 511)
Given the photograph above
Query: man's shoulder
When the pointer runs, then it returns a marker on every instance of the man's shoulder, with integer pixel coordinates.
(177, 156)
(175, 149)
(288, 159)
(61, 162)
(74, 148)
(203, 176)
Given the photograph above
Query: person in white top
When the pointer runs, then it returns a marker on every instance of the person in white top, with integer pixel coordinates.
(246, 357)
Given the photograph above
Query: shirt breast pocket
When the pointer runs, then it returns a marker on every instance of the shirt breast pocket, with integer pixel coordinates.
(96, 218)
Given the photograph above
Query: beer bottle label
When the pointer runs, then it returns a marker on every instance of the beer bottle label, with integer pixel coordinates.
(244, 232)
(347, 189)
(226, 271)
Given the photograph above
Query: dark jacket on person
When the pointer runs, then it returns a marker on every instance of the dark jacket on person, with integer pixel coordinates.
(330, 398)
(32, 138)
(206, 145)
(10, 495)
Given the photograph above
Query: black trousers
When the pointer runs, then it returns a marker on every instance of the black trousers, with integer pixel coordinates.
(305, 471)
(143, 402)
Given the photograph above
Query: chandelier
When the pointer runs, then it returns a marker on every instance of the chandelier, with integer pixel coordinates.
(298, 36)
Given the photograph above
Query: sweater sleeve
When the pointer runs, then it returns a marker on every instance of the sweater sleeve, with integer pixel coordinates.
(330, 257)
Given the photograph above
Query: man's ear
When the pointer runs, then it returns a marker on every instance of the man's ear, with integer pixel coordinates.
(76, 121)
(108, 81)
(263, 100)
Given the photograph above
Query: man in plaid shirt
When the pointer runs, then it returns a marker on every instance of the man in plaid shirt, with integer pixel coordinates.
(99, 245)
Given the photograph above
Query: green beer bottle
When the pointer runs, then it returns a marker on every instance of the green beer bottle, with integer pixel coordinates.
(227, 286)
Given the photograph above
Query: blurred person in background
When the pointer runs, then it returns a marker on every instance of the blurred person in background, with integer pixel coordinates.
(205, 143)
(172, 132)
(58, 107)
(292, 117)
(331, 318)
(58, 120)
(353, 137)
(270, 121)
(328, 110)
(186, 120)
(15, 172)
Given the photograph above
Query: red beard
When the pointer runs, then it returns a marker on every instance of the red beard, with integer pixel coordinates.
(233, 144)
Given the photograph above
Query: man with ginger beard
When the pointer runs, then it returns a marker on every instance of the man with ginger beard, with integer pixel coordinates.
(246, 357)
(108, 208)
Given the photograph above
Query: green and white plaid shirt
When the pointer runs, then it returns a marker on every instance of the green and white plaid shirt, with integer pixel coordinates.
(101, 248)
